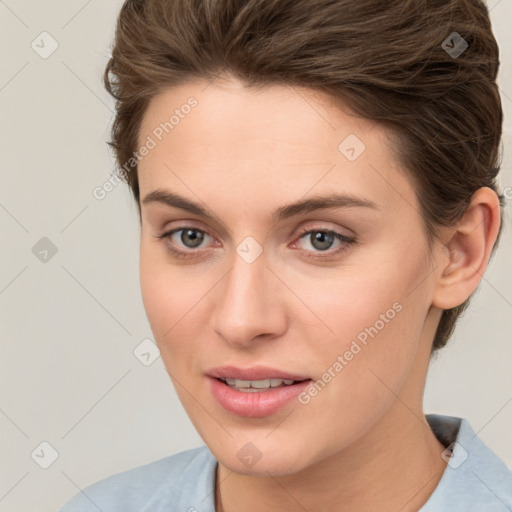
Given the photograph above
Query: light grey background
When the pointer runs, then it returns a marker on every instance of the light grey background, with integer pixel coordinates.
(69, 326)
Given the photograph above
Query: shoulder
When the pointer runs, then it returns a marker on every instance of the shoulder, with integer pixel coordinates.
(183, 477)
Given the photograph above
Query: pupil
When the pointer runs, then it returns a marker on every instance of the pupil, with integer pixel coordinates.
(321, 237)
(196, 239)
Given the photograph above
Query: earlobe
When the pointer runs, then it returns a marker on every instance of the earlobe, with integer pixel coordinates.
(466, 250)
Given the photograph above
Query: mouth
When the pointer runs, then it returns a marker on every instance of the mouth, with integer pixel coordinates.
(255, 392)
(255, 374)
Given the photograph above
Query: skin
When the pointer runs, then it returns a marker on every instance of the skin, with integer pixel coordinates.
(242, 153)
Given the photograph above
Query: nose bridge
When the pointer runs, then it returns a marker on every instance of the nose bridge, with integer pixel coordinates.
(247, 306)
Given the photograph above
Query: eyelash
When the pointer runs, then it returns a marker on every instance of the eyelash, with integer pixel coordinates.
(347, 241)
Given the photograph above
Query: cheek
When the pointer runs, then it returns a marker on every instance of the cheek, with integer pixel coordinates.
(170, 297)
(366, 364)
(372, 316)
(361, 301)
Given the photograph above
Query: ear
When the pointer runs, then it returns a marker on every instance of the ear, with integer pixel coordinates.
(466, 250)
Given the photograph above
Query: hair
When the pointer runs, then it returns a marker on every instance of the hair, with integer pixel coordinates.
(384, 59)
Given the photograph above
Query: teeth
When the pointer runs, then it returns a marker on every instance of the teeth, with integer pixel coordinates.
(258, 384)
(277, 382)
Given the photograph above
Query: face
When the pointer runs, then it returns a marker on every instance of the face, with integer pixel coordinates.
(325, 302)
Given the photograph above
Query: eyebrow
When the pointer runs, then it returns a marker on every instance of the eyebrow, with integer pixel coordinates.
(333, 200)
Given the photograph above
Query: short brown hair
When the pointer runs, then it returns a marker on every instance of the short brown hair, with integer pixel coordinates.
(388, 60)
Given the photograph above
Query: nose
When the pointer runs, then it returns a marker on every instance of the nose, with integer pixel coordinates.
(249, 304)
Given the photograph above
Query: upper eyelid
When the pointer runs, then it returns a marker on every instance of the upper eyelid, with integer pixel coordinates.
(190, 223)
(299, 231)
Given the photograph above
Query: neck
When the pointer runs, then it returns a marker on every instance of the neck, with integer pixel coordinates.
(388, 469)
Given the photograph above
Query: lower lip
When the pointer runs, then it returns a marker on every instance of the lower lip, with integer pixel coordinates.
(255, 404)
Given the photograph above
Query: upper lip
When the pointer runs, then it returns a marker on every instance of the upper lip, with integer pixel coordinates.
(252, 373)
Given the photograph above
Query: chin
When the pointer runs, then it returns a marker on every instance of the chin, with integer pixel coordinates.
(250, 461)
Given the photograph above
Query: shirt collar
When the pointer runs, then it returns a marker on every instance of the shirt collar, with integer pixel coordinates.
(475, 478)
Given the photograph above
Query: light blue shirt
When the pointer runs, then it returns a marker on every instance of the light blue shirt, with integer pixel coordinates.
(475, 480)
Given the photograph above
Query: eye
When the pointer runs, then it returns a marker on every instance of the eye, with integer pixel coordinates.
(321, 240)
(190, 237)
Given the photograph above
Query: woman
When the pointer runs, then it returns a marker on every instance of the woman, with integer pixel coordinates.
(316, 184)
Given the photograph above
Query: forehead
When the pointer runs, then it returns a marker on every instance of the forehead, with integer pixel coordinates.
(265, 142)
